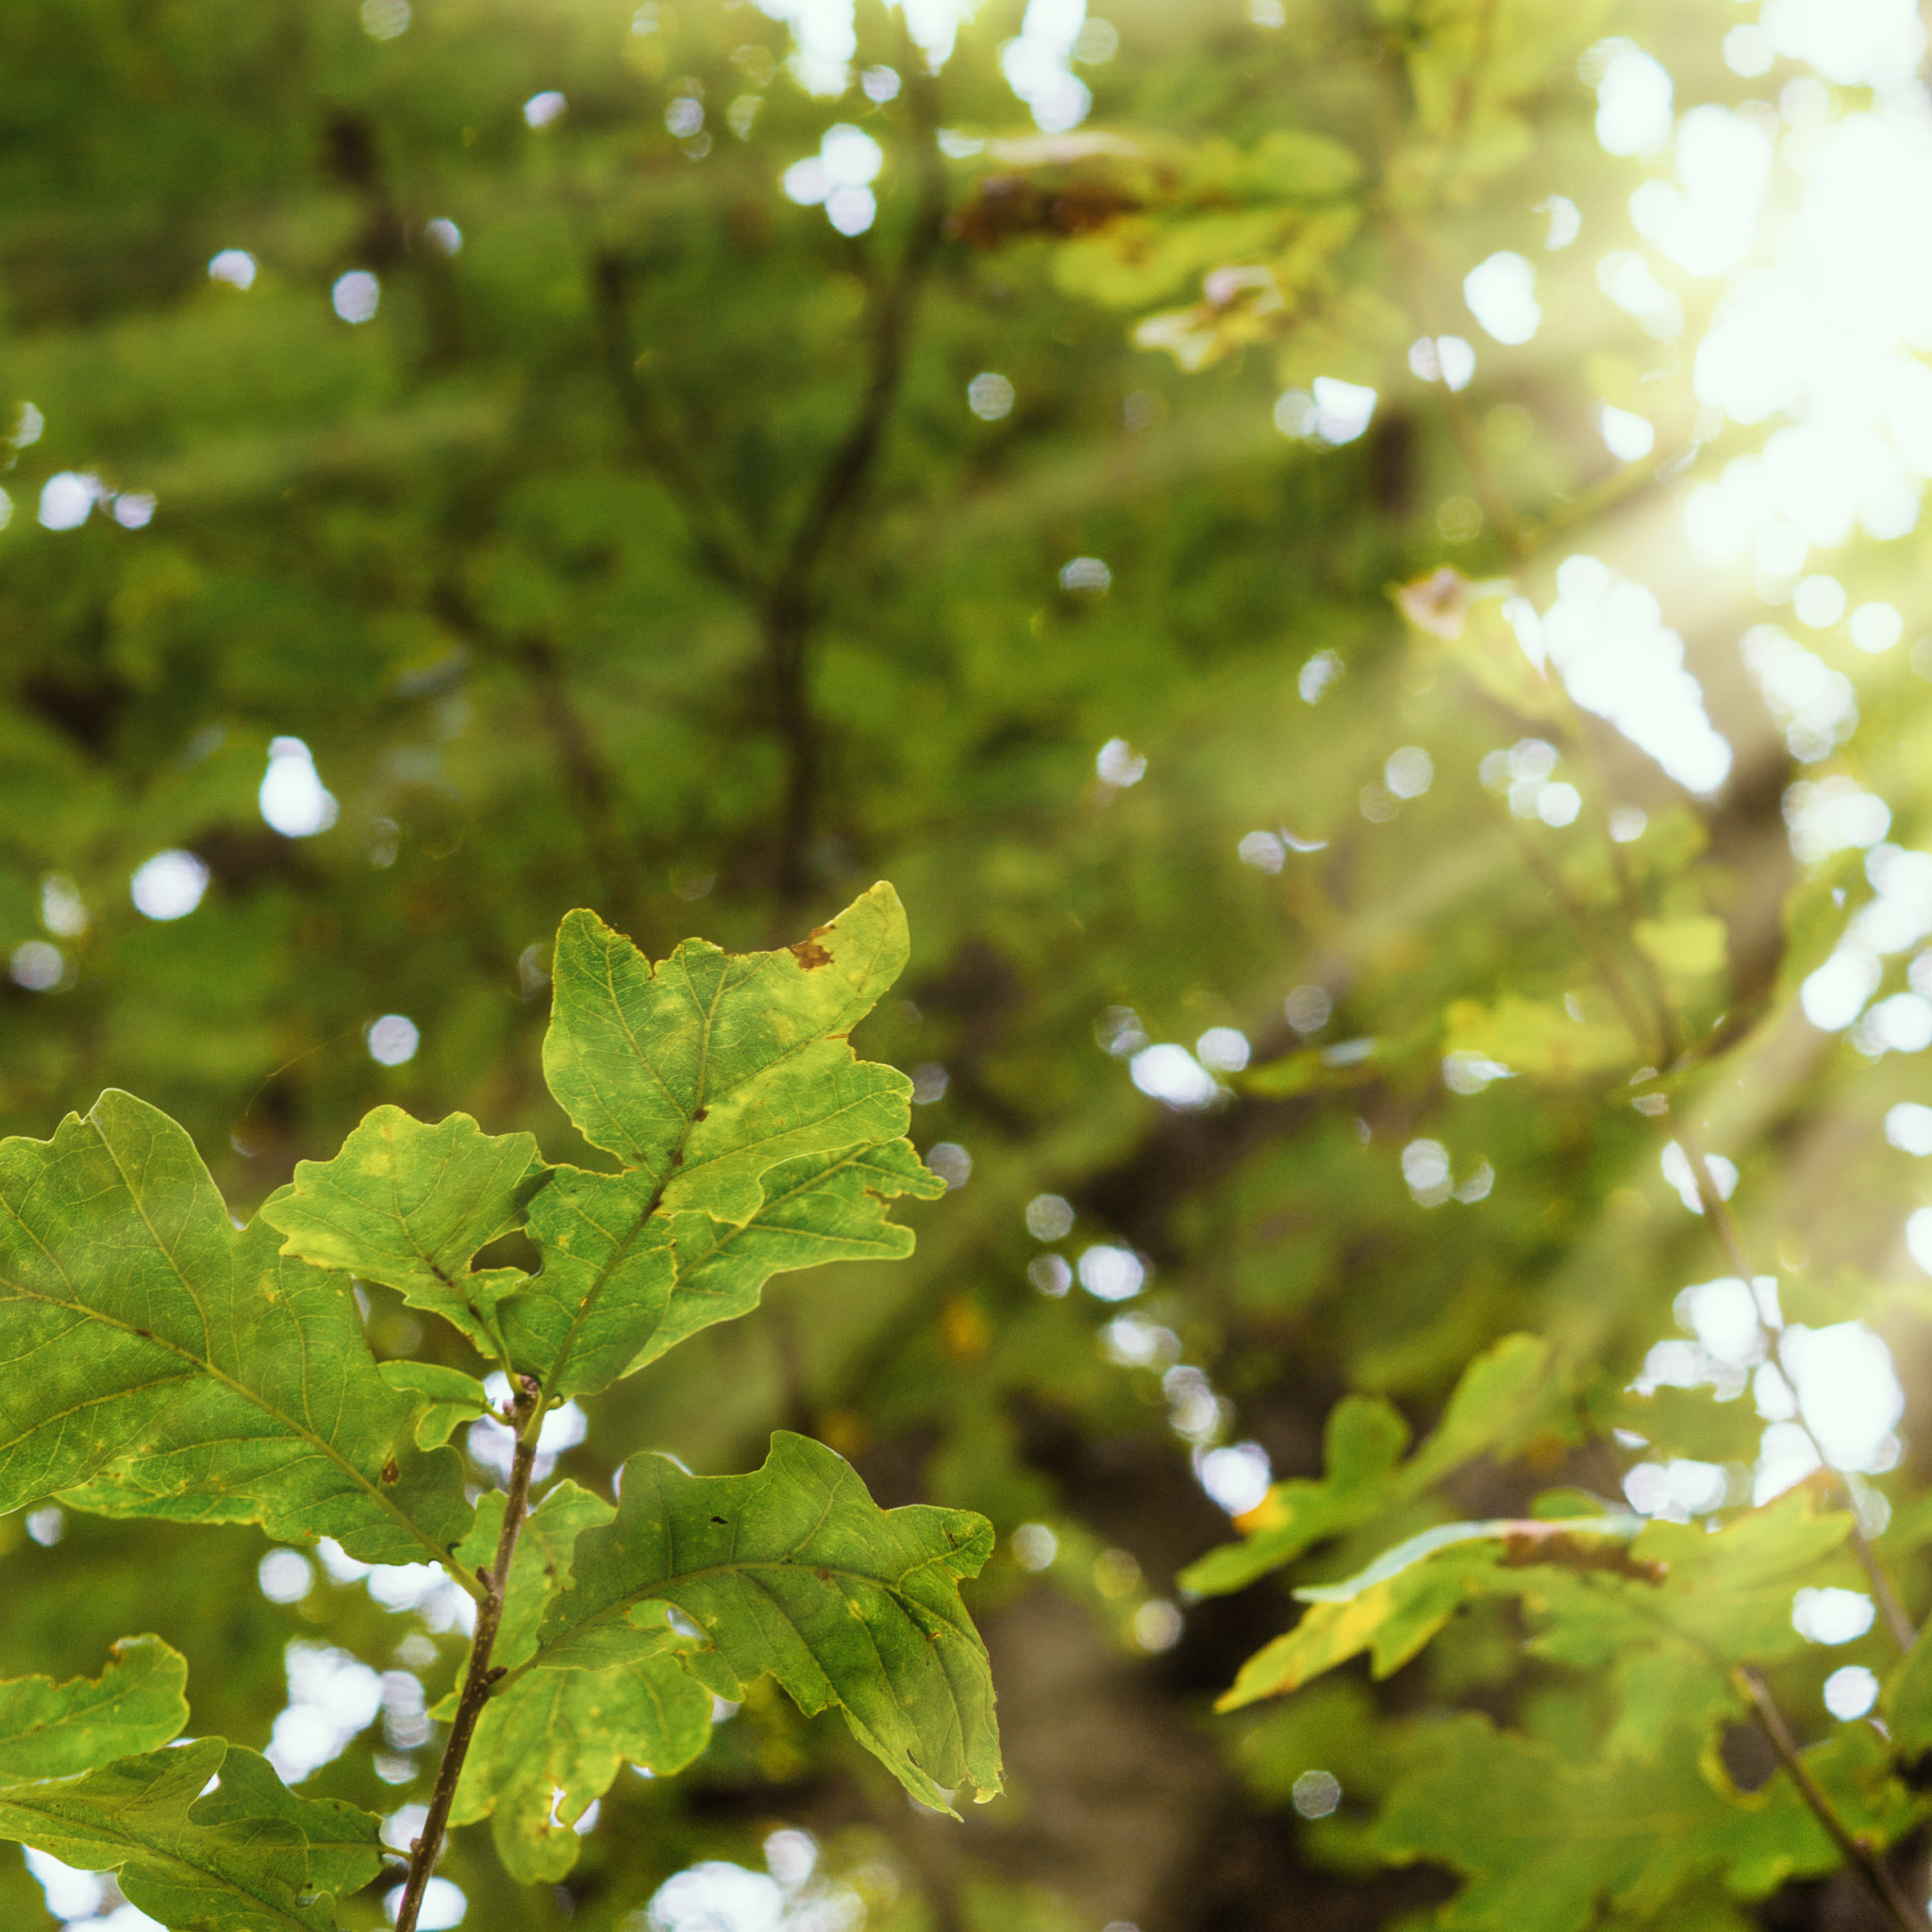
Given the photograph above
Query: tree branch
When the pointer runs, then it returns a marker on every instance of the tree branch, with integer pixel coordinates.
(790, 605)
(587, 779)
(1856, 1851)
(479, 1680)
(718, 545)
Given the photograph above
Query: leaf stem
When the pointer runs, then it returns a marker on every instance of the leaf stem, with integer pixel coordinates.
(1857, 1850)
(479, 1680)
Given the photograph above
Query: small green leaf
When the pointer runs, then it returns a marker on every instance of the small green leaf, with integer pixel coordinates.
(446, 1399)
(589, 1316)
(250, 1856)
(182, 1368)
(409, 1205)
(794, 1570)
(549, 1741)
(1506, 1399)
(59, 1730)
(1364, 1440)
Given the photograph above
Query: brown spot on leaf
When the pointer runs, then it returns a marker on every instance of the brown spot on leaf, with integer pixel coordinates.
(389, 1471)
(808, 953)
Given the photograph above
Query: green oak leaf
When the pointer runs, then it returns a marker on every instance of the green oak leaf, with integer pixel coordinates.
(550, 1741)
(605, 1281)
(752, 1138)
(177, 1366)
(823, 1208)
(409, 1205)
(59, 1730)
(795, 1571)
(446, 1398)
(1545, 1843)
(1506, 1398)
(249, 1857)
(635, 1054)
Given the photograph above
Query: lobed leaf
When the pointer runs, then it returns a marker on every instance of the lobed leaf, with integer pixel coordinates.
(1677, 1591)
(59, 1730)
(175, 1366)
(248, 1856)
(795, 1571)
(1545, 1843)
(752, 1138)
(409, 1205)
(550, 1741)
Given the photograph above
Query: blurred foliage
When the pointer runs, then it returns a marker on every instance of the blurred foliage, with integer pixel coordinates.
(643, 551)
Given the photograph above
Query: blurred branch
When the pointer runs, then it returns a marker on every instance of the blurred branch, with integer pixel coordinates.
(789, 607)
(1857, 1850)
(587, 778)
(719, 545)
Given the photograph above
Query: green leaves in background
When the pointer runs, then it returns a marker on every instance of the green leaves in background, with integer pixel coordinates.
(1546, 1844)
(248, 1856)
(754, 1139)
(1506, 1399)
(179, 1367)
(1602, 1589)
(795, 1571)
(408, 1205)
(59, 1730)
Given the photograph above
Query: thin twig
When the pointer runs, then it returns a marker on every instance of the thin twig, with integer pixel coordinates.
(479, 1680)
(1858, 1850)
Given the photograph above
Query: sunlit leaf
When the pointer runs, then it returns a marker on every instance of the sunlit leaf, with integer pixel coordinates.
(409, 1205)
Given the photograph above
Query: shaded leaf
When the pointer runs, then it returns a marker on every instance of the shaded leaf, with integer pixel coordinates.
(794, 1570)
(237, 1860)
(58, 1731)
(180, 1367)
(1543, 1842)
